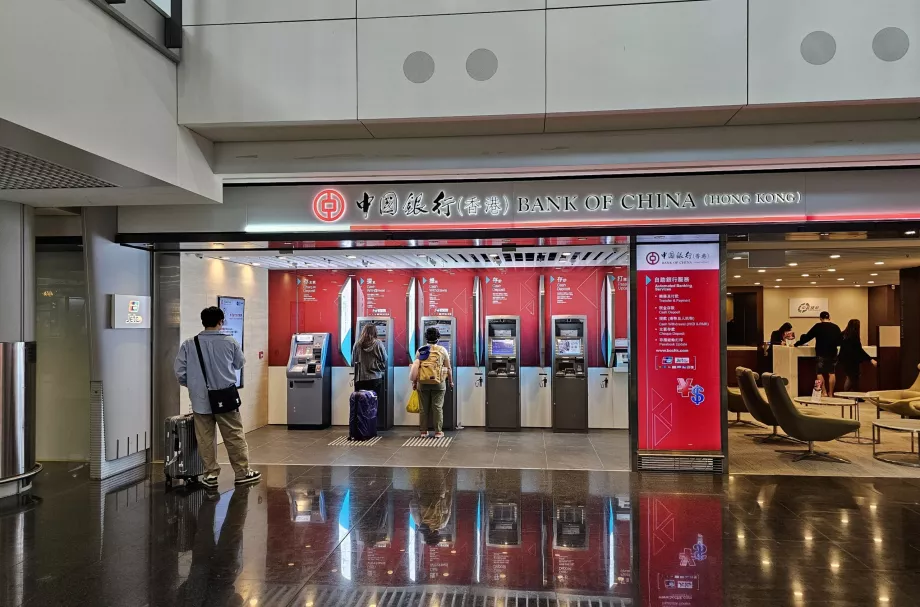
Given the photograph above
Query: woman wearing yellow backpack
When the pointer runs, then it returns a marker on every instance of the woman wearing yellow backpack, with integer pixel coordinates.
(429, 375)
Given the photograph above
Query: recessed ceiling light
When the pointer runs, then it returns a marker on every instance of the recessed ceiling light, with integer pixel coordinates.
(831, 270)
(493, 255)
(871, 282)
(858, 286)
(737, 275)
(841, 279)
(835, 256)
(825, 234)
(814, 282)
(761, 271)
(776, 286)
(737, 258)
(420, 255)
(779, 280)
(879, 263)
(218, 244)
(805, 275)
(793, 264)
(728, 293)
(756, 284)
(566, 254)
(225, 258)
(256, 264)
(910, 232)
(351, 257)
(874, 274)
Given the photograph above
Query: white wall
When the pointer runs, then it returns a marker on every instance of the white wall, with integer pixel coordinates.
(73, 73)
(202, 281)
(843, 303)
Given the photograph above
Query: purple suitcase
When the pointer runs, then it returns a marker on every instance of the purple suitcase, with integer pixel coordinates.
(362, 415)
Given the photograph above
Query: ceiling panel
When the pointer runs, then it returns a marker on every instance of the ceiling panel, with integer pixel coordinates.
(468, 258)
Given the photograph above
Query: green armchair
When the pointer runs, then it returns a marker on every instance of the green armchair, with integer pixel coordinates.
(806, 428)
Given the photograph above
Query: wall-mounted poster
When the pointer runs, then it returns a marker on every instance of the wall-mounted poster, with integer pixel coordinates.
(807, 307)
(234, 309)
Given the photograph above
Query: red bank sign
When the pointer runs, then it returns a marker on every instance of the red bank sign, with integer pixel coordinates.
(679, 303)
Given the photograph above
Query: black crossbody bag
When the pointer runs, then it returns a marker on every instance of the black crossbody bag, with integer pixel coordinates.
(225, 400)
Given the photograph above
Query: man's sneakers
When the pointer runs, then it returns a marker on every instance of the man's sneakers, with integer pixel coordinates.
(251, 477)
(209, 480)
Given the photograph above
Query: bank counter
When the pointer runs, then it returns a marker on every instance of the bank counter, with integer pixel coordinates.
(798, 366)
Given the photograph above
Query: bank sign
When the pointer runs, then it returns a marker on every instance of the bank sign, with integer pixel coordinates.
(685, 200)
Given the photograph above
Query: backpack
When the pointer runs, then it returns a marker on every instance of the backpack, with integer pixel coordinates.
(431, 369)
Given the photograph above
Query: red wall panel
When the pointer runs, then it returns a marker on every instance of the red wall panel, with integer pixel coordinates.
(303, 301)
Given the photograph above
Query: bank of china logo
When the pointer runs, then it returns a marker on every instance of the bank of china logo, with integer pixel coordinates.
(807, 307)
(329, 206)
(653, 258)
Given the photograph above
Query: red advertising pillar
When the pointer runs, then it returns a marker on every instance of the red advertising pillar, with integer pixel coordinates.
(678, 347)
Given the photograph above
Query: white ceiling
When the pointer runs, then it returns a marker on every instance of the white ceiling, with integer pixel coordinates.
(860, 262)
(402, 259)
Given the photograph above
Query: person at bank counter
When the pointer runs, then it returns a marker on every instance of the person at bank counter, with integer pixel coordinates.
(852, 355)
(778, 337)
(429, 375)
(370, 358)
(827, 336)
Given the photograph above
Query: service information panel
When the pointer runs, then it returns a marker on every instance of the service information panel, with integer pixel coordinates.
(679, 303)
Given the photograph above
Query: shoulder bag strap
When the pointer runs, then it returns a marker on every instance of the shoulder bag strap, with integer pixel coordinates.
(201, 361)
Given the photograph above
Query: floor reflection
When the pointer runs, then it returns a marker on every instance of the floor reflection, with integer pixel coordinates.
(430, 536)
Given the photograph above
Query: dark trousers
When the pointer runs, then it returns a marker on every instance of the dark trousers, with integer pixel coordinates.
(372, 385)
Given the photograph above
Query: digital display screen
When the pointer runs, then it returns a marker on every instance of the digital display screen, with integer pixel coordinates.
(443, 329)
(302, 351)
(568, 332)
(568, 347)
(305, 339)
(381, 330)
(502, 333)
(502, 347)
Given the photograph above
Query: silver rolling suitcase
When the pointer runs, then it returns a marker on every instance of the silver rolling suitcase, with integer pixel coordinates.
(182, 461)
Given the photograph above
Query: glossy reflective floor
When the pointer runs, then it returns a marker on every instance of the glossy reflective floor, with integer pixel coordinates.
(375, 536)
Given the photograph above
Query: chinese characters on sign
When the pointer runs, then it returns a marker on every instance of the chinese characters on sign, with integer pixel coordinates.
(679, 304)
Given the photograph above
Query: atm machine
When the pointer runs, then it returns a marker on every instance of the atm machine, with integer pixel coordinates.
(503, 376)
(570, 374)
(447, 326)
(309, 377)
(385, 334)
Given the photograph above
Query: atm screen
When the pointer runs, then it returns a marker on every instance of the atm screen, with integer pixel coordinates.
(302, 351)
(568, 332)
(443, 329)
(381, 331)
(502, 347)
(568, 347)
(502, 333)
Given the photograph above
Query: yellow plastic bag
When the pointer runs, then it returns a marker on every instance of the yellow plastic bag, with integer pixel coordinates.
(412, 405)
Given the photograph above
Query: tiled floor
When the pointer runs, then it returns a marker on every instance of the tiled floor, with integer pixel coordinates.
(470, 448)
(746, 456)
(404, 537)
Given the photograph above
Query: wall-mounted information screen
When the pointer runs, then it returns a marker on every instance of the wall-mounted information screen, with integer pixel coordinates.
(234, 309)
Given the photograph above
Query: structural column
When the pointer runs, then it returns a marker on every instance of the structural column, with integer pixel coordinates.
(17, 273)
(17, 352)
(910, 325)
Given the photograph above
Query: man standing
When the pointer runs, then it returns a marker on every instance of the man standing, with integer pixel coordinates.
(828, 337)
(223, 357)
